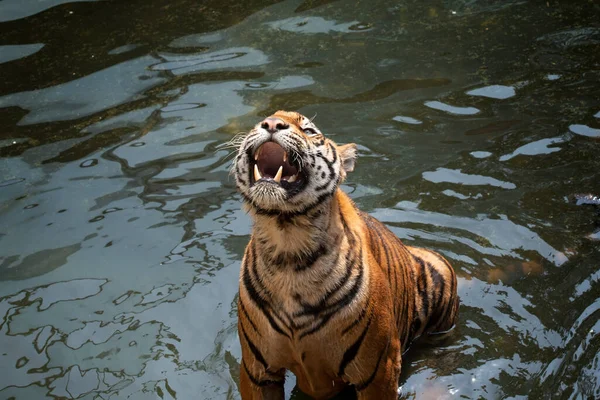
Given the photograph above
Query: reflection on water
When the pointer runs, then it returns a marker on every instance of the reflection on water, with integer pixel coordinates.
(535, 148)
(14, 52)
(455, 176)
(585, 130)
(438, 105)
(316, 25)
(121, 232)
(494, 92)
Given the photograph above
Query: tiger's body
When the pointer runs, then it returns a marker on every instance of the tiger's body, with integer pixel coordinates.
(326, 291)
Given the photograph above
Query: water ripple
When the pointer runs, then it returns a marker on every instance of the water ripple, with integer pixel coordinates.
(456, 176)
(504, 236)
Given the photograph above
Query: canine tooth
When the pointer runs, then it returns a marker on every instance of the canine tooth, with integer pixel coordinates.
(293, 178)
(257, 175)
(278, 175)
(284, 156)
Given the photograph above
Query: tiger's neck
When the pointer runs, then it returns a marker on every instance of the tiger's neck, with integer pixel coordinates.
(301, 237)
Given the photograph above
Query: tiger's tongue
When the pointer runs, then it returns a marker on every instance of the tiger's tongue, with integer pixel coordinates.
(270, 157)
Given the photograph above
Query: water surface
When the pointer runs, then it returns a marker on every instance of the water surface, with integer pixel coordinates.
(121, 232)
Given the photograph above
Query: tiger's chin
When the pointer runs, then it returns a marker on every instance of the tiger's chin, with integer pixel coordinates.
(270, 198)
(268, 195)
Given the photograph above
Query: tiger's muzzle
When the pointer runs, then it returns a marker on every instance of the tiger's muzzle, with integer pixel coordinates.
(272, 164)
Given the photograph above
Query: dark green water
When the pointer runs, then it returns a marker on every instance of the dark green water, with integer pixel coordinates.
(121, 231)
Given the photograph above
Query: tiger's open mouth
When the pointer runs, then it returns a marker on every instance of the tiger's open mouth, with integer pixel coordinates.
(272, 164)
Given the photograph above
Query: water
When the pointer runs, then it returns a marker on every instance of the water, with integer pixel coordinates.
(121, 231)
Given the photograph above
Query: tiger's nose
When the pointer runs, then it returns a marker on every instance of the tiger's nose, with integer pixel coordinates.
(273, 125)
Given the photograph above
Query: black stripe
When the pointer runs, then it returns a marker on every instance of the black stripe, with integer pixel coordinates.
(245, 312)
(442, 259)
(365, 384)
(406, 336)
(309, 309)
(373, 245)
(312, 258)
(393, 259)
(438, 286)
(255, 352)
(349, 261)
(414, 328)
(405, 267)
(329, 166)
(300, 262)
(265, 290)
(317, 328)
(372, 242)
(334, 153)
(292, 326)
(452, 296)
(323, 274)
(416, 322)
(323, 186)
(347, 230)
(450, 305)
(436, 277)
(352, 351)
(306, 209)
(259, 300)
(396, 259)
(257, 382)
(356, 321)
(254, 274)
(422, 284)
(261, 304)
(341, 303)
(353, 291)
(382, 245)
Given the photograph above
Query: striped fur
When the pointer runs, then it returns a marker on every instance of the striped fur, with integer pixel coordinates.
(327, 291)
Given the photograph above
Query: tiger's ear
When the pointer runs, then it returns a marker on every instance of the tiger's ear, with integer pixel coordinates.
(347, 154)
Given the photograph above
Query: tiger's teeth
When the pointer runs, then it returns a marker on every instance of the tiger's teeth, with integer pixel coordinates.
(278, 175)
(257, 154)
(257, 175)
(293, 178)
(284, 156)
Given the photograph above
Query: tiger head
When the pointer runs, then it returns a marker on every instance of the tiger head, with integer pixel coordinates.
(286, 166)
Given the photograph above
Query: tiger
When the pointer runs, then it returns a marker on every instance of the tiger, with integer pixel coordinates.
(325, 291)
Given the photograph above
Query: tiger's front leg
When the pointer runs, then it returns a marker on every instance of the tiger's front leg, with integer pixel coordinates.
(251, 388)
(383, 383)
(257, 381)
